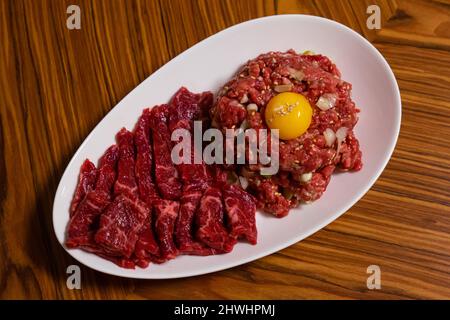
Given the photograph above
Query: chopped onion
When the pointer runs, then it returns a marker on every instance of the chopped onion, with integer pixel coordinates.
(252, 107)
(243, 181)
(244, 125)
(283, 87)
(296, 74)
(326, 101)
(244, 99)
(341, 134)
(306, 177)
(330, 137)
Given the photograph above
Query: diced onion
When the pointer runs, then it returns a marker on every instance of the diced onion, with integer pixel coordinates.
(306, 177)
(326, 101)
(244, 99)
(283, 87)
(243, 181)
(252, 107)
(341, 134)
(296, 74)
(330, 136)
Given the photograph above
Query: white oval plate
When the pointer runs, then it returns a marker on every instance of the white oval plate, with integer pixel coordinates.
(207, 66)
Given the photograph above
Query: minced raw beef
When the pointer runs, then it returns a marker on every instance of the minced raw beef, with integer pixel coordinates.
(306, 162)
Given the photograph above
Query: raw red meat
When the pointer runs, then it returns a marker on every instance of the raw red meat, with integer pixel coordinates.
(123, 220)
(84, 221)
(144, 159)
(316, 77)
(167, 179)
(126, 181)
(146, 244)
(121, 262)
(119, 225)
(241, 210)
(186, 106)
(166, 213)
(184, 228)
(86, 182)
(209, 219)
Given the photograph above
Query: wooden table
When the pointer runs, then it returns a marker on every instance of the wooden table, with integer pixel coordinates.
(56, 84)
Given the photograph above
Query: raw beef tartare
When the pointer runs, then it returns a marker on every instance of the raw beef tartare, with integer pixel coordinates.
(263, 95)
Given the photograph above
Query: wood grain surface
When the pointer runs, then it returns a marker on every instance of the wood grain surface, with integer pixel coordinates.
(56, 84)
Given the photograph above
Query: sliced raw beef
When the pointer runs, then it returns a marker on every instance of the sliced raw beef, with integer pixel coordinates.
(126, 181)
(144, 161)
(84, 221)
(86, 182)
(120, 224)
(189, 204)
(120, 261)
(186, 106)
(211, 229)
(146, 244)
(167, 179)
(241, 210)
(166, 213)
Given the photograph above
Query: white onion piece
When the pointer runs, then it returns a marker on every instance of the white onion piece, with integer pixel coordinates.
(326, 101)
(244, 182)
(252, 107)
(341, 134)
(330, 136)
(283, 87)
(244, 99)
(306, 177)
(296, 74)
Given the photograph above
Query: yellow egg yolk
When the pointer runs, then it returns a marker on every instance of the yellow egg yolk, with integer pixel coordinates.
(290, 113)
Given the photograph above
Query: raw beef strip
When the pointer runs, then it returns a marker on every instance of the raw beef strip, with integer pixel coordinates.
(186, 106)
(120, 261)
(86, 182)
(166, 212)
(120, 224)
(126, 181)
(146, 244)
(144, 161)
(241, 209)
(211, 229)
(189, 203)
(84, 221)
(195, 179)
(167, 179)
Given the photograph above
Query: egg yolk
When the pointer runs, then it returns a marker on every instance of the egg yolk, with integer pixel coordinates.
(290, 113)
